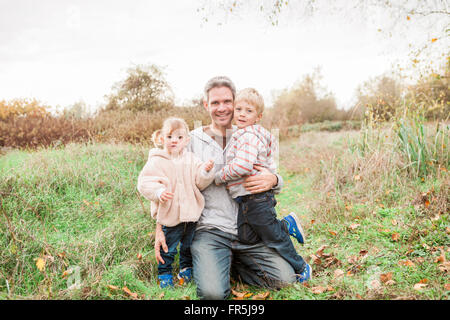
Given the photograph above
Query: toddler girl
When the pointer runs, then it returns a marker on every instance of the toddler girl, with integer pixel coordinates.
(172, 179)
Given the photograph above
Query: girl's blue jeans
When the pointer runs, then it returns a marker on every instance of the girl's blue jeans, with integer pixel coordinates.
(182, 234)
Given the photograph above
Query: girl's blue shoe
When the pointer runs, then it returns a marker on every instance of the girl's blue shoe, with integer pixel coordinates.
(185, 274)
(165, 280)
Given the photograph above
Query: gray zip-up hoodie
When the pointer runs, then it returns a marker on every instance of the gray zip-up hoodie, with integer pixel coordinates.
(220, 209)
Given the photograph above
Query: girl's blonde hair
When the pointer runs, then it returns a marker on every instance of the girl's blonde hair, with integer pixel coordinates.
(169, 125)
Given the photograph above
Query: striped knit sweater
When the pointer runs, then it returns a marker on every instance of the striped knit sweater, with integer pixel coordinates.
(249, 146)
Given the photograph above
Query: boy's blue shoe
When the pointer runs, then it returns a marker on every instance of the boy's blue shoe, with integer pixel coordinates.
(165, 280)
(305, 275)
(185, 274)
(294, 227)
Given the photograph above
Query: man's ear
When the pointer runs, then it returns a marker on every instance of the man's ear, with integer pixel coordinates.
(205, 104)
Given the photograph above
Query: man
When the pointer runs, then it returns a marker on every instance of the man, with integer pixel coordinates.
(216, 249)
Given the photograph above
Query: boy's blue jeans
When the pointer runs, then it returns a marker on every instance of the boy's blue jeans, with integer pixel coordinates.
(182, 233)
(217, 255)
(257, 220)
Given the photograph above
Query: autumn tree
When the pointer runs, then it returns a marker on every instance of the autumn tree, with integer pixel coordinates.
(382, 95)
(144, 88)
(306, 101)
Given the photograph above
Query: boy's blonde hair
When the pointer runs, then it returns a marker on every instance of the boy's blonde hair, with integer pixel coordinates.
(252, 97)
(169, 125)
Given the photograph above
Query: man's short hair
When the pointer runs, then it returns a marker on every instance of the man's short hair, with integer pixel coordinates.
(252, 97)
(220, 81)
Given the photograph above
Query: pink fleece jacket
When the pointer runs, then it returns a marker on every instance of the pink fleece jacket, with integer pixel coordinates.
(184, 176)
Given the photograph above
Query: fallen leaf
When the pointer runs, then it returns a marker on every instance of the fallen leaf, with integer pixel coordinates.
(338, 273)
(66, 273)
(133, 295)
(261, 296)
(394, 222)
(357, 177)
(139, 256)
(441, 258)
(434, 40)
(419, 286)
(238, 294)
(315, 259)
(354, 226)
(332, 233)
(375, 284)
(395, 236)
(363, 253)
(407, 263)
(385, 277)
(40, 264)
(318, 289)
(313, 221)
(113, 288)
(424, 280)
(390, 282)
(447, 286)
(352, 259)
(445, 267)
(319, 252)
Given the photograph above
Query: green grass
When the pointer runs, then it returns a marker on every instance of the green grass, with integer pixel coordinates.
(77, 206)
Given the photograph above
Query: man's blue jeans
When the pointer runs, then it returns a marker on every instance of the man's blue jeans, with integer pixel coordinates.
(217, 254)
(183, 234)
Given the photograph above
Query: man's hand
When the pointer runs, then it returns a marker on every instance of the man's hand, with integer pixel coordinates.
(160, 241)
(264, 181)
(165, 196)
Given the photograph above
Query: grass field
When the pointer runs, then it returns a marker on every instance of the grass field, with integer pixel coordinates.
(72, 225)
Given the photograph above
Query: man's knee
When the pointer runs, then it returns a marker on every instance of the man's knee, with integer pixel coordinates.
(212, 293)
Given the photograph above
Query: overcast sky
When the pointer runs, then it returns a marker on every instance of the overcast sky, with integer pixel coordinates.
(61, 52)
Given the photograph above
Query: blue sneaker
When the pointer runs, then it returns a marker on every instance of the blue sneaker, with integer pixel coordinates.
(165, 280)
(185, 274)
(305, 275)
(294, 227)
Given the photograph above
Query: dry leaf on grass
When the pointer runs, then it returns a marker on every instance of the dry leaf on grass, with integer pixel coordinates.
(133, 295)
(261, 296)
(40, 264)
(318, 289)
(419, 286)
(385, 277)
(338, 273)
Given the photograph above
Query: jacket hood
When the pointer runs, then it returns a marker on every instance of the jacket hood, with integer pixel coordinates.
(157, 152)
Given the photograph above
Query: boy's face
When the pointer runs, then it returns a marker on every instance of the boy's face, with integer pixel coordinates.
(245, 114)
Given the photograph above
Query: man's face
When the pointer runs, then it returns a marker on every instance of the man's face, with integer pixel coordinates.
(220, 106)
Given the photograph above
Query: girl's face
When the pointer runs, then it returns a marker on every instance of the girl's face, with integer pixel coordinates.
(175, 141)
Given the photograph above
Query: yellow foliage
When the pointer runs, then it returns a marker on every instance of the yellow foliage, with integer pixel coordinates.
(21, 107)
